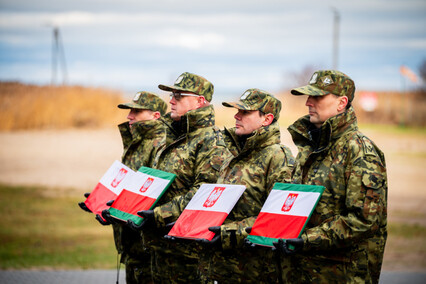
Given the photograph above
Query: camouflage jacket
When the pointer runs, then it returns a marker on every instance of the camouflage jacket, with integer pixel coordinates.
(141, 142)
(349, 224)
(195, 156)
(258, 165)
(140, 146)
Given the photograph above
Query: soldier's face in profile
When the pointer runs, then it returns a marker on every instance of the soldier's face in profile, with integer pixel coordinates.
(136, 115)
(322, 108)
(247, 121)
(181, 103)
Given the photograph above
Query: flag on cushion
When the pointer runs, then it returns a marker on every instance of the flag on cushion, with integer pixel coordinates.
(209, 207)
(285, 213)
(141, 193)
(109, 187)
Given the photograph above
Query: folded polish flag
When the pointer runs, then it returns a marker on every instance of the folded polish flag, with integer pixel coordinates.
(109, 187)
(285, 213)
(209, 207)
(141, 192)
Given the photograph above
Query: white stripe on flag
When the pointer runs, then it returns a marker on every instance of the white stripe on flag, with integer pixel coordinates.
(302, 205)
(116, 177)
(140, 184)
(219, 200)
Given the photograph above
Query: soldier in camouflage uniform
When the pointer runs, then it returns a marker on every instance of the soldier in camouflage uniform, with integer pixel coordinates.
(259, 161)
(195, 151)
(142, 136)
(345, 238)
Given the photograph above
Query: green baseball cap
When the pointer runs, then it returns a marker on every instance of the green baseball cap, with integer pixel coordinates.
(146, 100)
(188, 82)
(324, 82)
(255, 99)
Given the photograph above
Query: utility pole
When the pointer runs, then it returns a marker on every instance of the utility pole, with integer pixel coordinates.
(58, 57)
(336, 23)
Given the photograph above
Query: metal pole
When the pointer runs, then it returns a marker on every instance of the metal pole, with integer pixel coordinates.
(54, 55)
(336, 23)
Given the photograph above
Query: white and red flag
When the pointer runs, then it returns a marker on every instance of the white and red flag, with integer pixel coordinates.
(285, 213)
(108, 187)
(209, 207)
(141, 192)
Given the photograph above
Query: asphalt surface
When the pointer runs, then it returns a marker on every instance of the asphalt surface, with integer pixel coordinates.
(110, 276)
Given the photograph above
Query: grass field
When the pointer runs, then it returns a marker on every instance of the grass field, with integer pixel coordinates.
(38, 231)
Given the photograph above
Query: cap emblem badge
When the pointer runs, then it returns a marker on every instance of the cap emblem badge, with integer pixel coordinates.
(327, 80)
(136, 97)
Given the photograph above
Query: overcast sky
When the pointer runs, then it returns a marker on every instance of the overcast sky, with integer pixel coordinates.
(136, 44)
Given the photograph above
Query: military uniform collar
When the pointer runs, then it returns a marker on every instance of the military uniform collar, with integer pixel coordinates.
(332, 129)
(262, 137)
(142, 129)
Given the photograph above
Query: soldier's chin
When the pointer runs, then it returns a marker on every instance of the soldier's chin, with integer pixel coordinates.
(175, 116)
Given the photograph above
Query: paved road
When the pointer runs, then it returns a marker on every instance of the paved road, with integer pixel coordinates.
(110, 276)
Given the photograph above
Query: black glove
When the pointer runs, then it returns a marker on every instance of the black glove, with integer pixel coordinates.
(289, 246)
(87, 194)
(216, 237)
(84, 207)
(248, 244)
(148, 219)
(169, 226)
(248, 230)
(109, 203)
(102, 221)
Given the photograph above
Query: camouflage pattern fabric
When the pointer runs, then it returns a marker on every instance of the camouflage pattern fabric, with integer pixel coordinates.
(146, 100)
(188, 82)
(345, 238)
(195, 156)
(258, 165)
(325, 82)
(255, 99)
(141, 143)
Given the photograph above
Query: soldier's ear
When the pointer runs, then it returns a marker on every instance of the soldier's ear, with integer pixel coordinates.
(157, 115)
(343, 101)
(269, 118)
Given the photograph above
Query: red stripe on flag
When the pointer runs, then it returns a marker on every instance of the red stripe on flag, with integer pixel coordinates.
(196, 223)
(131, 202)
(98, 198)
(278, 225)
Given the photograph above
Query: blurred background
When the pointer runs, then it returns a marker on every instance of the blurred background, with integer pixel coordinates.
(65, 65)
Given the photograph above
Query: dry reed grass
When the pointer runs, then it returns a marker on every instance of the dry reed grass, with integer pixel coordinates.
(58, 107)
(39, 107)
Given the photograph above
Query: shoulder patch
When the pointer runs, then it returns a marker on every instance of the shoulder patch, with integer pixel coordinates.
(368, 146)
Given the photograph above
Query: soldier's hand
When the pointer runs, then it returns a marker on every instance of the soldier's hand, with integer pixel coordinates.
(169, 238)
(102, 221)
(107, 216)
(84, 207)
(216, 237)
(169, 226)
(148, 220)
(248, 230)
(147, 214)
(109, 203)
(87, 194)
(289, 246)
(248, 244)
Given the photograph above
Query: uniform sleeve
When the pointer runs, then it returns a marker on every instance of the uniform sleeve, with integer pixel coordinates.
(206, 171)
(232, 234)
(365, 207)
(280, 167)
